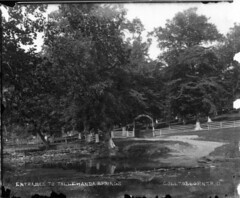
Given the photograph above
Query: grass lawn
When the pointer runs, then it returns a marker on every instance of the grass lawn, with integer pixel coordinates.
(231, 136)
(227, 117)
(222, 135)
(144, 149)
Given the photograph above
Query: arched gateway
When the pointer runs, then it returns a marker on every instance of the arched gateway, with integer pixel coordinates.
(146, 116)
(125, 132)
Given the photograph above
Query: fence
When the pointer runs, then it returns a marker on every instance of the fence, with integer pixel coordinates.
(205, 127)
(122, 133)
(55, 141)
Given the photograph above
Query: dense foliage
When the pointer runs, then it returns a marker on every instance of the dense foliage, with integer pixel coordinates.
(94, 72)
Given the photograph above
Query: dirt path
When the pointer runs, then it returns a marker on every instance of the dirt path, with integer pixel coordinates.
(185, 155)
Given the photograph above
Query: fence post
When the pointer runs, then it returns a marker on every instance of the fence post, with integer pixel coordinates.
(96, 138)
(112, 134)
(221, 124)
(123, 131)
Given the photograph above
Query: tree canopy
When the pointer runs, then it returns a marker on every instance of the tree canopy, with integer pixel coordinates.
(94, 70)
(192, 64)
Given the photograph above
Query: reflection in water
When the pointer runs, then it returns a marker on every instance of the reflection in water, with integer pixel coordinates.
(90, 166)
(84, 166)
(112, 169)
(224, 177)
(142, 183)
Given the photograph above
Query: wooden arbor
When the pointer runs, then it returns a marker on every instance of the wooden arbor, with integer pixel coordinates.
(147, 116)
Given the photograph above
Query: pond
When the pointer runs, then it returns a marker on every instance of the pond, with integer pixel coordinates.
(90, 166)
(146, 178)
(137, 174)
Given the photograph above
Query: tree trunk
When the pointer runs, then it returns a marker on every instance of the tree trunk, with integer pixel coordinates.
(109, 140)
(46, 143)
(198, 126)
(209, 119)
(111, 144)
(108, 137)
(86, 127)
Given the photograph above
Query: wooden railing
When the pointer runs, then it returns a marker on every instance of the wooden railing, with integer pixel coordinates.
(205, 126)
(54, 141)
(121, 133)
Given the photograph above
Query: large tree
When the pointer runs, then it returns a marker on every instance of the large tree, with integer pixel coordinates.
(191, 63)
(145, 73)
(26, 85)
(91, 63)
(231, 68)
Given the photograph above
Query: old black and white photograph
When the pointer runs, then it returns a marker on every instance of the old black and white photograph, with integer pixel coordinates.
(120, 100)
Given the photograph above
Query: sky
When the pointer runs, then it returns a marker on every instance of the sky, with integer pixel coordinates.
(223, 15)
(153, 15)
